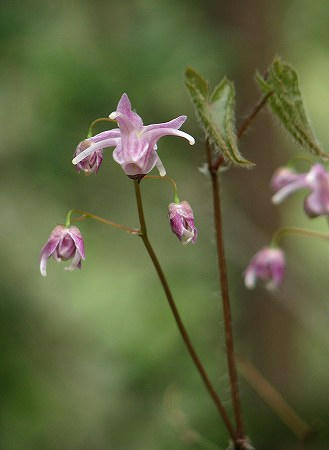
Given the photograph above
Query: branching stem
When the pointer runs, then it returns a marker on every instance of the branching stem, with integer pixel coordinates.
(246, 123)
(85, 215)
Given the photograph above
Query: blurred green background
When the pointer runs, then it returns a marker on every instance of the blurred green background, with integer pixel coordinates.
(92, 359)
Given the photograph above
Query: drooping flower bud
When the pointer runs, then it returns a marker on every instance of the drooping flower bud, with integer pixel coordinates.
(93, 161)
(286, 181)
(268, 265)
(64, 243)
(182, 222)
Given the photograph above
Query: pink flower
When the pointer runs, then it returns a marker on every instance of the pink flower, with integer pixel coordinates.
(63, 244)
(269, 265)
(182, 222)
(135, 144)
(285, 181)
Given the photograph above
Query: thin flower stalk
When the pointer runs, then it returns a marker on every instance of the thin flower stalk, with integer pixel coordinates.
(281, 232)
(85, 215)
(166, 178)
(94, 122)
(179, 322)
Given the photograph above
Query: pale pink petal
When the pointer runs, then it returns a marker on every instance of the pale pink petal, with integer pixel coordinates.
(78, 240)
(113, 133)
(157, 133)
(48, 249)
(175, 123)
(127, 119)
(288, 189)
(75, 263)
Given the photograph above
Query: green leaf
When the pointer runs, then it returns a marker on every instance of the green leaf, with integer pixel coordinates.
(216, 113)
(286, 102)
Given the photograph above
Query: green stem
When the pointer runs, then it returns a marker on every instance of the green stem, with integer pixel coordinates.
(68, 218)
(295, 230)
(93, 123)
(85, 215)
(176, 314)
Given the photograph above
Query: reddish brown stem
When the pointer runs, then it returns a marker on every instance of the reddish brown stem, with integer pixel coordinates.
(225, 293)
(245, 124)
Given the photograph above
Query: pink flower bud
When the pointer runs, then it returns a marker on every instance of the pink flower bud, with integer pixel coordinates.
(268, 265)
(182, 222)
(93, 161)
(63, 244)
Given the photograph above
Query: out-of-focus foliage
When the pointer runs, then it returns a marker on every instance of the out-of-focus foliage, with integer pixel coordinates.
(281, 85)
(92, 359)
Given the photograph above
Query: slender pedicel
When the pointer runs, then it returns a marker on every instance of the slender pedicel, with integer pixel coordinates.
(85, 214)
(281, 232)
(94, 122)
(166, 178)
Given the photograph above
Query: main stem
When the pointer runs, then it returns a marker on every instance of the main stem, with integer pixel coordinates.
(225, 294)
(177, 317)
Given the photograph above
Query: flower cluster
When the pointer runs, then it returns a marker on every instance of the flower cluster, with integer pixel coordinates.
(136, 151)
(269, 263)
(135, 144)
